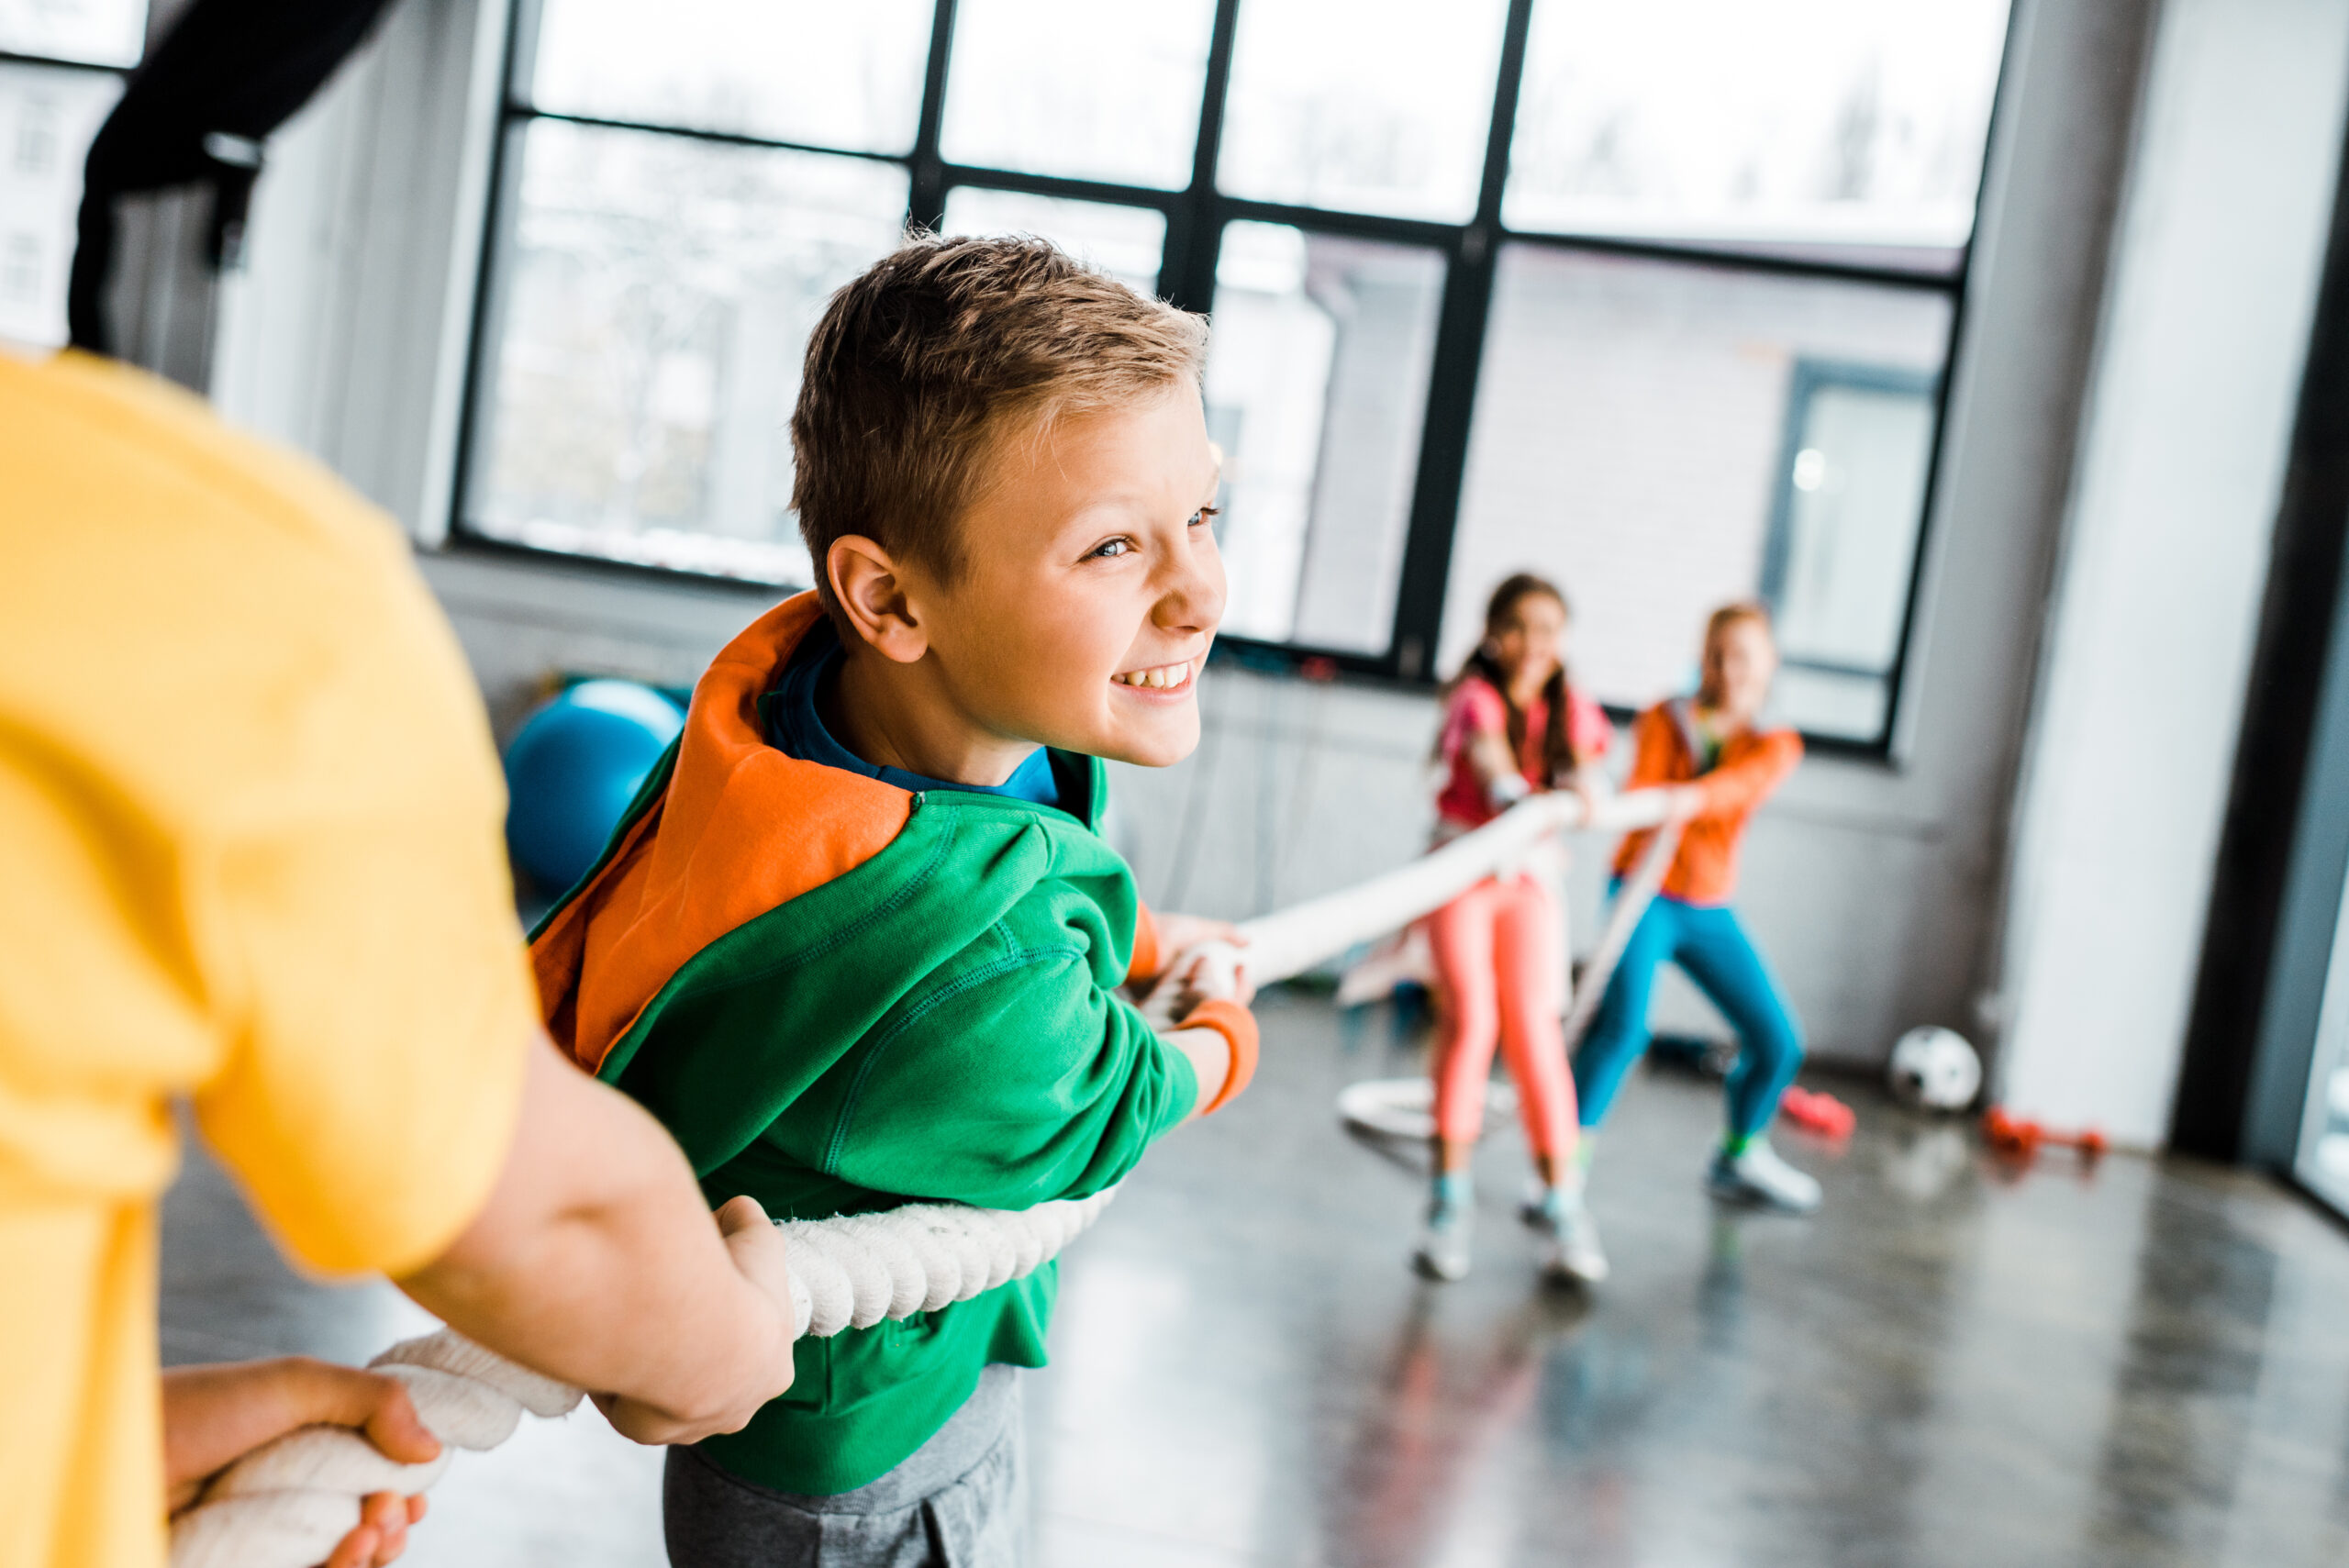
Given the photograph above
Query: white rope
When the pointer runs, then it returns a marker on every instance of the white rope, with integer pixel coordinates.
(285, 1505)
(1289, 942)
(1405, 1108)
(1630, 905)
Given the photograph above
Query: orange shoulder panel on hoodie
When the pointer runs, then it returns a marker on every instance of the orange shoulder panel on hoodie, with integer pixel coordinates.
(741, 830)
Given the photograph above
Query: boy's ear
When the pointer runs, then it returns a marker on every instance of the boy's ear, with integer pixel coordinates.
(872, 591)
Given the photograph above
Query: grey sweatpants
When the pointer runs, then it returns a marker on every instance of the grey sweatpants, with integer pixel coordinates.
(958, 1501)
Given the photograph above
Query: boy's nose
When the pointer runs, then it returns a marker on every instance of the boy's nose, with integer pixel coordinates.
(1192, 593)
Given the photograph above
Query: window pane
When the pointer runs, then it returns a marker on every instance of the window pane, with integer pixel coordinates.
(100, 32)
(47, 118)
(1079, 89)
(1378, 106)
(846, 76)
(1805, 121)
(1836, 567)
(655, 306)
(1317, 385)
(1639, 427)
(1127, 241)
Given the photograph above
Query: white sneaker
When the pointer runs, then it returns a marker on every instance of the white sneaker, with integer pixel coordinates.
(1444, 1242)
(1758, 1176)
(1569, 1249)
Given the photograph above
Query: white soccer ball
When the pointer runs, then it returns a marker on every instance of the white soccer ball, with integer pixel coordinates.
(1936, 1069)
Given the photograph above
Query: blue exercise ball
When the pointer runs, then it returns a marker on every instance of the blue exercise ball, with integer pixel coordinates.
(573, 767)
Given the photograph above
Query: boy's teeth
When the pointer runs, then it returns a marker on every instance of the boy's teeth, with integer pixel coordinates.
(1160, 678)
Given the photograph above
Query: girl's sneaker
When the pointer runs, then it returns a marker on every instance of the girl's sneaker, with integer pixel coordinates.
(1569, 1247)
(1755, 1174)
(1449, 1233)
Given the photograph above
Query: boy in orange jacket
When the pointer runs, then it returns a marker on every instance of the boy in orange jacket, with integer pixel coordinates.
(858, 941)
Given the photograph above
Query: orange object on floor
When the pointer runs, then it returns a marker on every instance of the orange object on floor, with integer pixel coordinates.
(2020, 1138)
(1817, 1111)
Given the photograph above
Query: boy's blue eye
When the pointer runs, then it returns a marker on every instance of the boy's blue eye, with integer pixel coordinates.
(1204, 513)
(1109, 549)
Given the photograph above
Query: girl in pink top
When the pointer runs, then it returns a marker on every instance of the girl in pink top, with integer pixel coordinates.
(1512, 724)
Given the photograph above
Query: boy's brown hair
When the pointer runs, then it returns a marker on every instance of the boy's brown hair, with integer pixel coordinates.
(919, 368)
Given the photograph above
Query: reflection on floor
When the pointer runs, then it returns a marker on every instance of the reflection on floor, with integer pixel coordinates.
(2147, 1364)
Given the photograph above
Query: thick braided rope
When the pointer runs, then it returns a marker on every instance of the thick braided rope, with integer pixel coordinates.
(1289, 942)
(1631, 902)
(285, 1505)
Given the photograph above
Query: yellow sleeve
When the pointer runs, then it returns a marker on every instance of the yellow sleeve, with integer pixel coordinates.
(378, 1008)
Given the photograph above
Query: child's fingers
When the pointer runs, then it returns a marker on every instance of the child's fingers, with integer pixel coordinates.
(1214, 969)
(386, 1513)
(395, 1427)
(755, 1247)
(743, 1213)
(356, 1550)
(395, 1541)
(321, 1392)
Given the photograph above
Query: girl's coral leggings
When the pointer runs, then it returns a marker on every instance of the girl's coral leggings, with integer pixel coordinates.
(1496, 953)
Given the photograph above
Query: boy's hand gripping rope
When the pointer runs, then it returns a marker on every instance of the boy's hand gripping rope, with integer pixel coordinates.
(286, 1504)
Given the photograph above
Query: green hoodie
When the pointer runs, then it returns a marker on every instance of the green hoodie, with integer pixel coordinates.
(932, 1013)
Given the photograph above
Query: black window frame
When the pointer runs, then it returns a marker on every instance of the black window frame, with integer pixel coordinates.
(1195, 217)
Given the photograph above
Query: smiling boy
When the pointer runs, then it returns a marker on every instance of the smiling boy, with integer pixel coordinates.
(859, 942)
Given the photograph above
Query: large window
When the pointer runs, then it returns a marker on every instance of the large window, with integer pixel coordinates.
(1656, 299)
(1631, 438)
(61, 63)
(1317, 390)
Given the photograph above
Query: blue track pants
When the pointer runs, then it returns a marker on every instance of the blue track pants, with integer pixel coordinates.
(1712, 948)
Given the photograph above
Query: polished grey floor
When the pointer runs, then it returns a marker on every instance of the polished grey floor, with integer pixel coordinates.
(2144, 1363)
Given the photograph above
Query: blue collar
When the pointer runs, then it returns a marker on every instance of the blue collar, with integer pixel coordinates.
(796, 728)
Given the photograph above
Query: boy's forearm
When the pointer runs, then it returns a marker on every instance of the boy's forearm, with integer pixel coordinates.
(596, 1261)
(1209, 1055)
(628, 1299)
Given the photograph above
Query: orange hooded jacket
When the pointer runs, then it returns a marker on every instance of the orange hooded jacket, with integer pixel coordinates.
(1750, 768)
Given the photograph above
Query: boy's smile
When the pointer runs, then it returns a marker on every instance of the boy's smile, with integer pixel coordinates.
(1089, 592)
(1168, 679)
